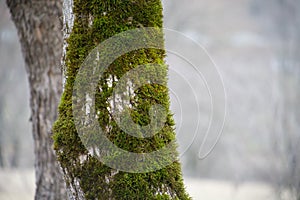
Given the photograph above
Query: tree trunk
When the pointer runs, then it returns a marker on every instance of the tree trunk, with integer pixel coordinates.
(1, 138)
(92, 169)
(39, 30)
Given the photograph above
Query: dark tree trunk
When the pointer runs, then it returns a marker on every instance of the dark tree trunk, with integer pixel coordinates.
(39, 28)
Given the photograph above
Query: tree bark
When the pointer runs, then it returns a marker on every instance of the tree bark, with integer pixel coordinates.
(1, 138)
(86, 25)
(39, 28)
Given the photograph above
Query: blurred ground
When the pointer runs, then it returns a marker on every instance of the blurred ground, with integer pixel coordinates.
(207, 189)
(16, 184)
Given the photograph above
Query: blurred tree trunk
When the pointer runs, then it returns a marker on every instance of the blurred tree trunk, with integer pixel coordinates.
(39, 30)
(1, 137)
(286, 19)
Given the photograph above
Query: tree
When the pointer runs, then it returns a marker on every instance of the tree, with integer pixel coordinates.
(285, 169)
(37, 23)
(287, 137)
(94, 172)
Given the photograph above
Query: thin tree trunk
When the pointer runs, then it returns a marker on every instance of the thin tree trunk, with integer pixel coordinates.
(39, 30)
(1, 156)
(1, 138)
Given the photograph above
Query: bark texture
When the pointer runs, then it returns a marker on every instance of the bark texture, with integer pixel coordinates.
(39, 28)
(86, 25)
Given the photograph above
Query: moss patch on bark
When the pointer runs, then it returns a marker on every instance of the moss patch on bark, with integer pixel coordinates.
(96, 21)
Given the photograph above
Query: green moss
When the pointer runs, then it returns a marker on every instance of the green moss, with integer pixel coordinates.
(109, 18)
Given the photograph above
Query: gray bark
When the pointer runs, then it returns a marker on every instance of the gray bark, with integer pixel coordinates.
(74, 190)
(286, 19)
(1, 138)
(39, 30)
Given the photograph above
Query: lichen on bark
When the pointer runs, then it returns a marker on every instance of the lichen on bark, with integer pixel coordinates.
(94, 22)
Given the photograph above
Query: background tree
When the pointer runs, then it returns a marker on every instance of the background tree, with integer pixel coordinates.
(40, 35)
(286, 22)
(88, 23)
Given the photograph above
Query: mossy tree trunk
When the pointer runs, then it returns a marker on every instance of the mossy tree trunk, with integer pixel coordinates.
(86, 25)
(38, 27)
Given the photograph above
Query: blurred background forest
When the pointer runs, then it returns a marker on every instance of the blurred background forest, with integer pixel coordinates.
(256, 46)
